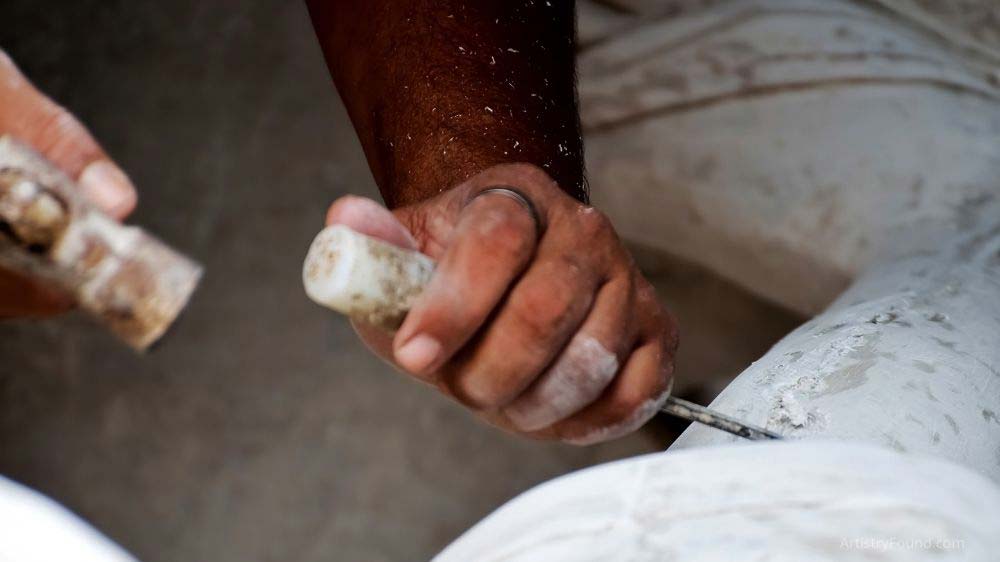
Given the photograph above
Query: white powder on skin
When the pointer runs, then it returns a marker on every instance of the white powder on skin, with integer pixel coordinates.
(634, 421)
(576, 379)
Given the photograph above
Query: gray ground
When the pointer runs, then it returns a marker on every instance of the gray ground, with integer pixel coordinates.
(260, 430)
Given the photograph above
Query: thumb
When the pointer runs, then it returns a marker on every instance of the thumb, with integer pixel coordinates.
(33, 118)
(364, 215)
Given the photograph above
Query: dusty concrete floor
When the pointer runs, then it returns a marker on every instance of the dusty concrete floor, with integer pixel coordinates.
(260, 430)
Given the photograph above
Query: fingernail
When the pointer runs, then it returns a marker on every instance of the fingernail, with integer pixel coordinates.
(418, 353)
(105, 185)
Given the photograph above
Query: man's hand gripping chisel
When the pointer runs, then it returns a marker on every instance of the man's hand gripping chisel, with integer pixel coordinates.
(376, 282)
(130, 281)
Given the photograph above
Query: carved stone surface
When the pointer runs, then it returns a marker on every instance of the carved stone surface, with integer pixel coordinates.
(787, 502)
(782, 143)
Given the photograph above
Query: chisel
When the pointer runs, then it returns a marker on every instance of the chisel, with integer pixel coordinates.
(376, 282)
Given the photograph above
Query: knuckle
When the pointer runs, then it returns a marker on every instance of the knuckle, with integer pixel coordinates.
(57, 132)
(542, 309)
(657, 322)
(56, 122)
(429, 224)
(480, 397)
(646, 299)
(506, 233)
(661, 328)
(480, 393)
(671, 334)
(536, 317)
(594, 222)
(665, 362)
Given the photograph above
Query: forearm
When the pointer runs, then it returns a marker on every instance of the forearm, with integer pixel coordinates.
(440, 90)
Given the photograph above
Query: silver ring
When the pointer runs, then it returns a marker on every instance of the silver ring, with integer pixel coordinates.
(521, 198)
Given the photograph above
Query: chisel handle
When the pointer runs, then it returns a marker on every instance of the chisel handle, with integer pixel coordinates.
(363, 277)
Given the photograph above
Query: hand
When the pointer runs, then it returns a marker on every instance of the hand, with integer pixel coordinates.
(548, 330)
(29, 116)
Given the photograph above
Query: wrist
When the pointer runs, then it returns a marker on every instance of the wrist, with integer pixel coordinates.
(441, 164)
